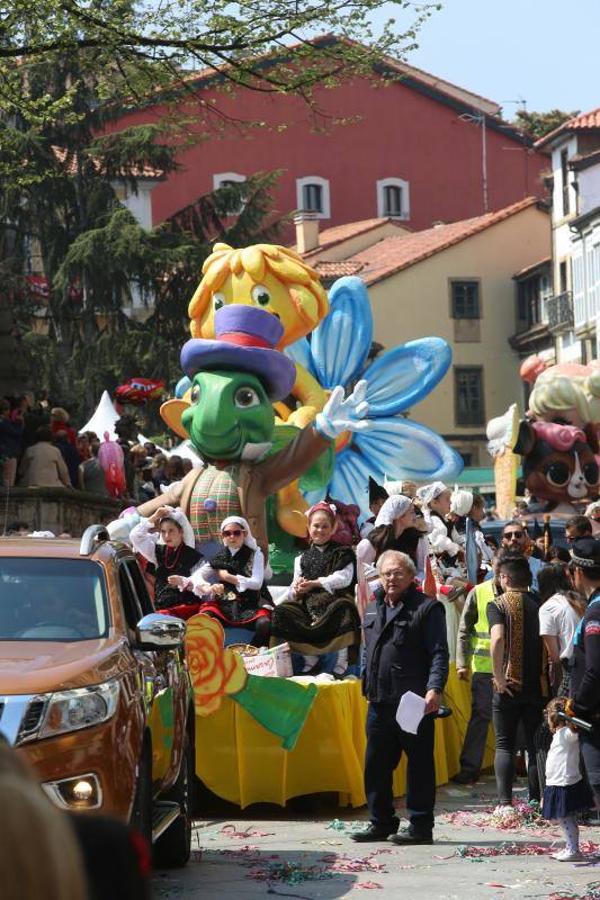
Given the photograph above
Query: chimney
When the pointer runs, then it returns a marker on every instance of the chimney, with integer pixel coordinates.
(307, 232)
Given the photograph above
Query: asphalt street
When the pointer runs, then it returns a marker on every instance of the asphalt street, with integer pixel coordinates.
(306, 853)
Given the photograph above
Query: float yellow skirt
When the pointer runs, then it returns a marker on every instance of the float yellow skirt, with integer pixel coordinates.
(242, 762)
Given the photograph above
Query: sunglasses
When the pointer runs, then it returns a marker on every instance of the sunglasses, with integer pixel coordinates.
(513, 534)
(235, 533)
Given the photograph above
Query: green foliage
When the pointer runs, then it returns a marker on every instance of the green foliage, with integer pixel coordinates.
(537, 124)
(129, 49)
(61, 215)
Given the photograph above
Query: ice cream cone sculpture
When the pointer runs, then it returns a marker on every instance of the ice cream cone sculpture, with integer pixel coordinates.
(502, 434)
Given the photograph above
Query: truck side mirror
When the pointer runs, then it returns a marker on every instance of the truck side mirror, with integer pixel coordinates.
(157, 632)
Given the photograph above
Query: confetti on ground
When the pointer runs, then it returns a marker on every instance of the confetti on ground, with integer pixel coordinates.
(592, 892)
(521, 814)
(289, 873)
(345, 865)
(340, 825)
(231, 831)
(478, 854)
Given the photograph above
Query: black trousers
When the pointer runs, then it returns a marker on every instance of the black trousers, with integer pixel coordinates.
(473, 748)
(507, 713)
(386, 742)
(590, 750)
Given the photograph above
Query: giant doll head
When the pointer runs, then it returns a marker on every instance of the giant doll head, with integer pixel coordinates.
(266, 276)
(560, 461)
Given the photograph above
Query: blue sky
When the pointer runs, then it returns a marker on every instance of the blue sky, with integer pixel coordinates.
(545, 52)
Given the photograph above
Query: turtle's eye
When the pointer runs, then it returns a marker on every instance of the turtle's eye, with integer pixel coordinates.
(246, 397)
(195, 395)
(218, 300)
(260, 295)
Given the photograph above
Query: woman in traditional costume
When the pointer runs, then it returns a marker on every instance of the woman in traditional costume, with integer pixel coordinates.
(446, 553)
(395, 530)
(231, 584)
(319, 614)
(167, 541)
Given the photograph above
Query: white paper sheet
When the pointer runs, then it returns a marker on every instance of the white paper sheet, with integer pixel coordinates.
(411, 710)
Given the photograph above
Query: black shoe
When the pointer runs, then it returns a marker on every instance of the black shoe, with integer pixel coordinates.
(464, 777)
(374, 833)
(408, 836)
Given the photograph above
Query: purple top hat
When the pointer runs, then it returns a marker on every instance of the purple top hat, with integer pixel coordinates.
(245, 340)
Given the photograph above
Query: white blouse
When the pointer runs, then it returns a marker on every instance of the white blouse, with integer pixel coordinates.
(366, 554)
(205, 574)
(144, 540)
(439, 541)
(332, 583)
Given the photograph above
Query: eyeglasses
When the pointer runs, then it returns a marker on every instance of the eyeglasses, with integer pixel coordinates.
(395, 573)
(234, 533)
(513, 534)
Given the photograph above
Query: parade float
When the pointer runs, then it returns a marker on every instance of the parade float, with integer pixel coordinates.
(264, 407)
(556, 440)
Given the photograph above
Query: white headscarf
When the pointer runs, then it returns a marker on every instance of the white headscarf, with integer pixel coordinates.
(592, 508)
(461, 502)
(430, 492)
(249, 540)
(182, 520)
(392, 509)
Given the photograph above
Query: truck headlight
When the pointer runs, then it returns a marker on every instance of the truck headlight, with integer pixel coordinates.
(80, 708)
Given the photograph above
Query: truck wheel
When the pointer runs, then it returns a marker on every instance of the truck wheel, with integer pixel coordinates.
(141, 815)
(172, 849)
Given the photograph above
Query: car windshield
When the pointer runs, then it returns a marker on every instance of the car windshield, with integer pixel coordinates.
(45, 599)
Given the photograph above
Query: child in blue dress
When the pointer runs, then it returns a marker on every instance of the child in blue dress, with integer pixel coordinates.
(566, 794)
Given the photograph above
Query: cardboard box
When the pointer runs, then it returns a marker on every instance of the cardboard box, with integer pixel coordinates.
(273, 663)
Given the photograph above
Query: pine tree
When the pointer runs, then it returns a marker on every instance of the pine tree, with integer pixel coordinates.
(64, 214)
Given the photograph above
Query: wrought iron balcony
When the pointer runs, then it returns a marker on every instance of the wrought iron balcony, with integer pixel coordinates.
(559, 312)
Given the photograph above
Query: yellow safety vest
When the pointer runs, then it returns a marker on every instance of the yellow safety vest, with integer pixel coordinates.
(482, 661)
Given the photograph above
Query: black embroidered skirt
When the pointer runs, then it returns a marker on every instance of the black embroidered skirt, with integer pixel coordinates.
(316, 624)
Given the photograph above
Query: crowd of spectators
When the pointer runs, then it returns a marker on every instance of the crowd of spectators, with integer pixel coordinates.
(40, 447)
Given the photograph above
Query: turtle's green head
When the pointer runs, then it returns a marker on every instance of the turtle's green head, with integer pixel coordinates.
(228, 410)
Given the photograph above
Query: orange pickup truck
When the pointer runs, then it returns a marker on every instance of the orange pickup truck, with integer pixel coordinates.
(94, 689)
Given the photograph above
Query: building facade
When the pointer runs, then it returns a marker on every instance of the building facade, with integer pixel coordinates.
(415, 149)
(455, 281)
(573, 308)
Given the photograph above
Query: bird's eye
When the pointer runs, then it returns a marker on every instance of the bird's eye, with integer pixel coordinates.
(246, 397)
(218, 300)
(260, 295)
(195, 395)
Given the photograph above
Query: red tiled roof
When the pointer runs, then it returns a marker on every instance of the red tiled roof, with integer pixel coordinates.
(339, 233)
(144, 171)
(441, 85)
(338, 269)
(392, 254)
(589, 121)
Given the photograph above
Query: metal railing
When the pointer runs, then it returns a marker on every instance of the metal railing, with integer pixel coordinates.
(559, 312)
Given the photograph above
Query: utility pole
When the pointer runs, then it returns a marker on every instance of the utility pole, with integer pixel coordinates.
(479, 119)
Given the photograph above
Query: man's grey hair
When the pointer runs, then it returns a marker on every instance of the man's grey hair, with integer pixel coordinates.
(401, 558)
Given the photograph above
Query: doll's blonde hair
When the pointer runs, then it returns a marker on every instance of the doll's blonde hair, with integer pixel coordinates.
(258, 260)
(554, 394)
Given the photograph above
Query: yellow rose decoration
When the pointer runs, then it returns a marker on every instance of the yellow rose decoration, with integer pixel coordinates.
(214, 670)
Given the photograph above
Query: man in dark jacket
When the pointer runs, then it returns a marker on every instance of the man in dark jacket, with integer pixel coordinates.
(405, 649)
(585, 665)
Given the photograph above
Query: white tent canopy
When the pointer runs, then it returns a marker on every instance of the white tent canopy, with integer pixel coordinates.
(184, 450)
(103, 419)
